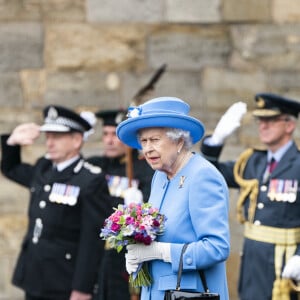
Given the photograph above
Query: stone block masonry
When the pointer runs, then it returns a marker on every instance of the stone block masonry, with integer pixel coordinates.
(95, 54)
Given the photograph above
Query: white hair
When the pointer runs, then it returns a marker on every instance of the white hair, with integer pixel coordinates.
(175, 134)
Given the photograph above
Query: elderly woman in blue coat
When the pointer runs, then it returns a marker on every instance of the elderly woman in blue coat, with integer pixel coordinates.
(188, 190)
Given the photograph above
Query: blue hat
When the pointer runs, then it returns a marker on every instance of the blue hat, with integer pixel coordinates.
(62, 119)
(271, 105)
(159, 112)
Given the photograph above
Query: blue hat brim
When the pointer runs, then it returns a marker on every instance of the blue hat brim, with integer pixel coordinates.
(127, 131)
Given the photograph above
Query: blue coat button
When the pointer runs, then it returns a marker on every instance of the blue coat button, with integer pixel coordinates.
(189, 261)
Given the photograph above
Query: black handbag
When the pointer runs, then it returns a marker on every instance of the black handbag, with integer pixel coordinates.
(178, 294)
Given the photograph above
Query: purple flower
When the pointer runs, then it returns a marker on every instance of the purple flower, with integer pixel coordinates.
(147, 240)
(155, 223)
(139, 237)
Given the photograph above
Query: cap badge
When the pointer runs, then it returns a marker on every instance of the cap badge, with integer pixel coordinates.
(52, 113)
(260, 103)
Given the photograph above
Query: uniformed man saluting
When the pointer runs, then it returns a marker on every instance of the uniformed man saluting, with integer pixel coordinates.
(61, 250)
(269, 203)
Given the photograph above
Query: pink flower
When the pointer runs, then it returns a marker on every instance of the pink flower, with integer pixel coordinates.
(115, 219)
(115, 227)
(129, 220)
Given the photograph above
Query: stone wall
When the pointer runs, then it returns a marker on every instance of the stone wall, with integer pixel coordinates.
(92, 54)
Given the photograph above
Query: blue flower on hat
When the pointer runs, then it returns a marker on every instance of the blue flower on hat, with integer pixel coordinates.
(134, 111)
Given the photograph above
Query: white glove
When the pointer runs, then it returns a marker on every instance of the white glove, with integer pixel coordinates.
(228, 123)
(292, 268)
(138, 253)
(131, 267)
(24, 134)
(92, 120)
(132, 195)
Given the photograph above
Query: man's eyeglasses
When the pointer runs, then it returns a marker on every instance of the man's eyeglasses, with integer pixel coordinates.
(272, 120)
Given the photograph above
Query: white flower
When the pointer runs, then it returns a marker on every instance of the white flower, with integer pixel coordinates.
(129, 230)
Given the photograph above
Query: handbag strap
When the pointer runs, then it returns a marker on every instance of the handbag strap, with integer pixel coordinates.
(201, 272)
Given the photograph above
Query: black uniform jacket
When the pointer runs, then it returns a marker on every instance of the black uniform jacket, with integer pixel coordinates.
(280, 209)
(62, 249)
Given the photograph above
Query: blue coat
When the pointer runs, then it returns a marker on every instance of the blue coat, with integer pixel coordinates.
(195, 202)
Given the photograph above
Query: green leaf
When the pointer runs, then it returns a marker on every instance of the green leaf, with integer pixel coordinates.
(119, 248)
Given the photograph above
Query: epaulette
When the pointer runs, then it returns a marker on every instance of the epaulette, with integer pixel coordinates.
(78, 166)
(92, 168)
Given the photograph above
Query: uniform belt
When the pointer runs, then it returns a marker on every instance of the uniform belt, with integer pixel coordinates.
(285, 241)
(273, 235)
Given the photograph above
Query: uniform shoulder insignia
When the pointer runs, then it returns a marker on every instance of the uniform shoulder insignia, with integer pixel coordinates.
(78, 166)
(92, 168)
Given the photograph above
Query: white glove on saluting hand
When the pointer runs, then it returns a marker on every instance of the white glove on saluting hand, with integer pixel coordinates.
(132, 195)
(92, 120)
(229, 122)
(292, 268)
(139, 253)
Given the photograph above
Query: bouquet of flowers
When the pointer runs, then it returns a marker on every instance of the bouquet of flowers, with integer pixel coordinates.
(131, 224)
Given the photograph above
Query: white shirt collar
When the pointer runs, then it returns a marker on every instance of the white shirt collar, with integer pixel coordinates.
(280, 152)
(63, 165)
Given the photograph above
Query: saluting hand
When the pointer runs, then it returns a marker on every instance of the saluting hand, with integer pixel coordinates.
(228, 123)
(24, 134)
